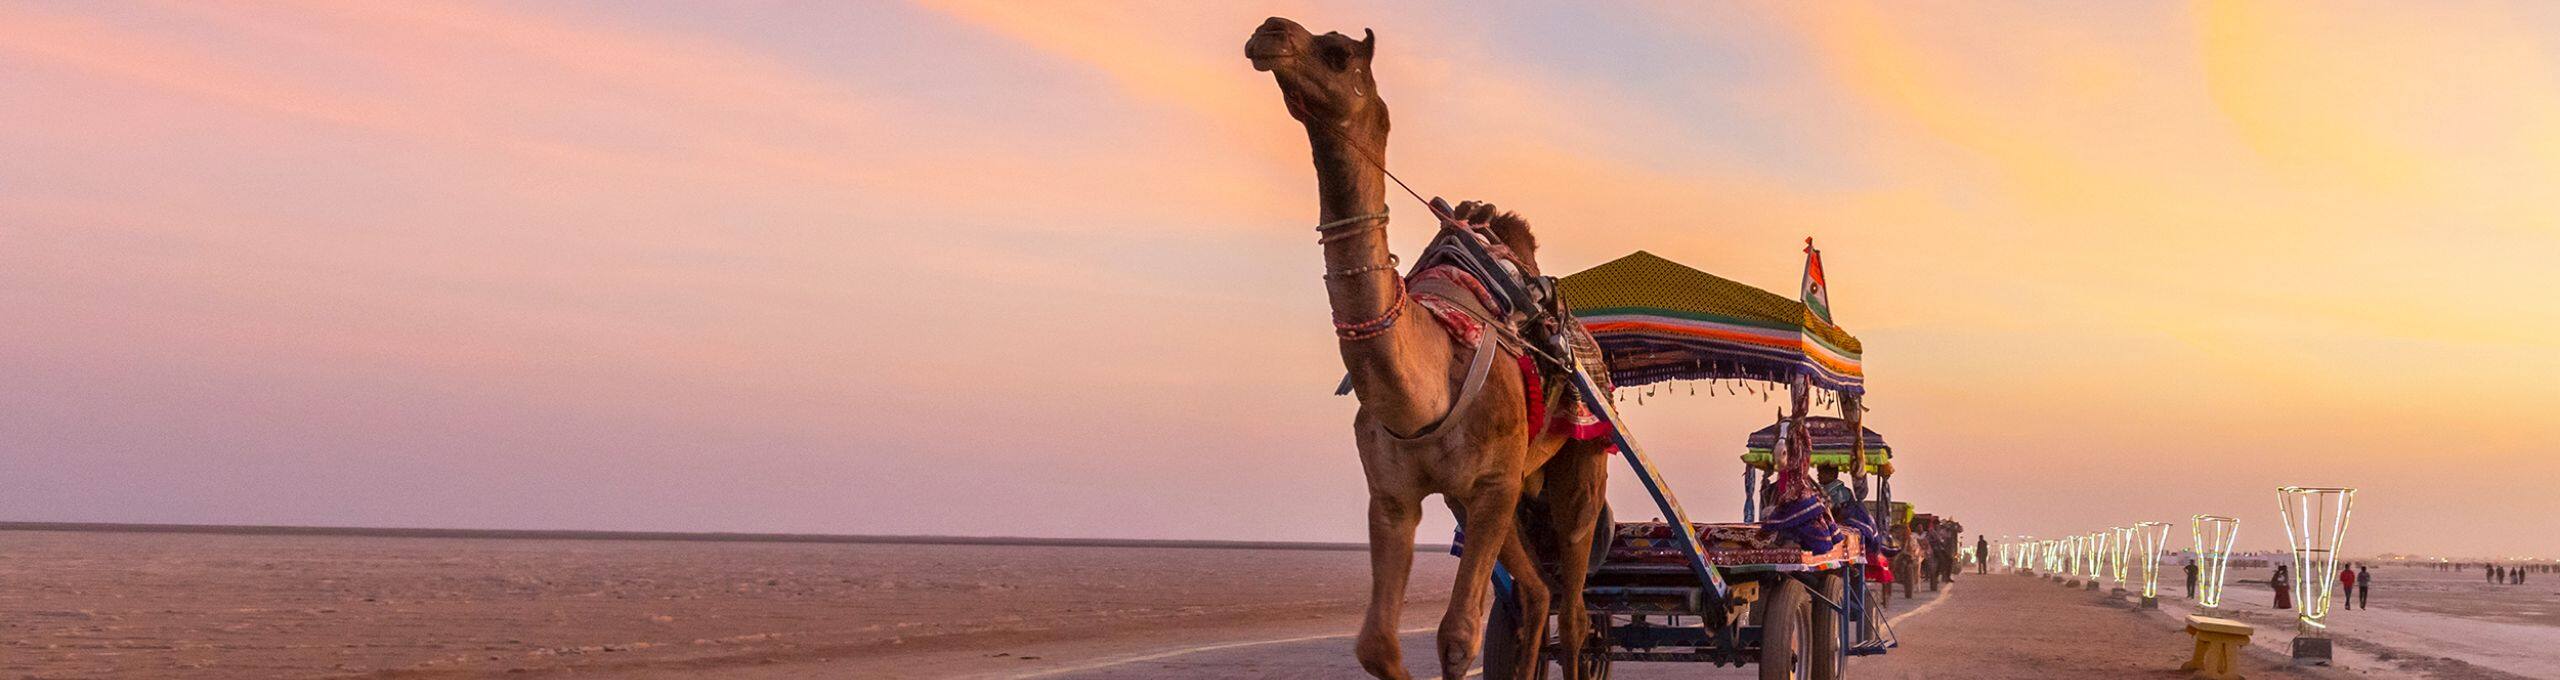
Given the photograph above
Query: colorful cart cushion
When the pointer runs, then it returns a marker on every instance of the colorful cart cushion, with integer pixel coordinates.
(1727, 545)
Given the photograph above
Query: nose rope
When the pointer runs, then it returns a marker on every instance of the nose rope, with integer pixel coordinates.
(1380, 161)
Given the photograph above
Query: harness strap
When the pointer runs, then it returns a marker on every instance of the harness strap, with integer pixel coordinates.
(1467, 390)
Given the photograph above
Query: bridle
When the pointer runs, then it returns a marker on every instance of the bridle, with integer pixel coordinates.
(1355, 225)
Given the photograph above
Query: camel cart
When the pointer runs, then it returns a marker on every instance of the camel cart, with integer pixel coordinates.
(1785, 591)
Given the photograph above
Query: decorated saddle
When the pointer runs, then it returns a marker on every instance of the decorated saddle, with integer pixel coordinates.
(1473, 285)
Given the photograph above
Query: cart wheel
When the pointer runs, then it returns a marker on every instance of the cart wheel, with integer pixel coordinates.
(1786, 638)
(1830, 654)
(1501, 647)
(1595, 651)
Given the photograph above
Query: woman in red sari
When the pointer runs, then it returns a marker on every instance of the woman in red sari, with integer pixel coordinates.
(2283, 583)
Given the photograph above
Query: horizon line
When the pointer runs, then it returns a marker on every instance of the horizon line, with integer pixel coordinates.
(706, 536)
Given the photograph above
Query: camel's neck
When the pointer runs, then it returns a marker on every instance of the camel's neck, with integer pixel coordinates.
(1401, 376)
(1349, 184)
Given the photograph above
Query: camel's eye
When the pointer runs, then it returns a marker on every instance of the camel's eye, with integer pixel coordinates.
(1336, 55)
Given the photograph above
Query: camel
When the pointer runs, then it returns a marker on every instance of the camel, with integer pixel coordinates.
(1418, 429)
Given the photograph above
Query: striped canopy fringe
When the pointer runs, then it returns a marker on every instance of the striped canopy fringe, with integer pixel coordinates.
(1659, 320)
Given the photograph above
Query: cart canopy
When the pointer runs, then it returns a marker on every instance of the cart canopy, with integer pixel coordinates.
(1659, 320)
(1832, 446)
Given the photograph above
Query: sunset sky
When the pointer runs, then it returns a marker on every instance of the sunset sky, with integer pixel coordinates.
(1045, 269)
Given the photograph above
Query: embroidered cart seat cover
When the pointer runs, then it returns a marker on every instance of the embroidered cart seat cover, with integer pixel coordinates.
(1728, 545)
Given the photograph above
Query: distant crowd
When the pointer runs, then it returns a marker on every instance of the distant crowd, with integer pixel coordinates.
(2355, 583)
(2509, 574)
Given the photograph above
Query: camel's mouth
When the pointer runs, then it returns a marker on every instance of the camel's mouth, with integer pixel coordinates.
(1275, 40)
(1266, 61)
(1267, 54)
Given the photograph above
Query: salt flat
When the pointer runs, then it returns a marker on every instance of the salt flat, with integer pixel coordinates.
(2453, 624)
(128, 605)
(122, 605)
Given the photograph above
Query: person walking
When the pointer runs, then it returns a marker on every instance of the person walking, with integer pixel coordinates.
(2191, 579)
(1906, 565)
(2364, 587)
(1981, 554)
(2347, 585)
(2283, 585)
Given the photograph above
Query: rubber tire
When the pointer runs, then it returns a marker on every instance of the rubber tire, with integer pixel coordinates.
(1786, 635)
(1830, 657)
(1501, 637)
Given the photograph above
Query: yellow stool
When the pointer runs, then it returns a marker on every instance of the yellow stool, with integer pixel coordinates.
(2218, 645)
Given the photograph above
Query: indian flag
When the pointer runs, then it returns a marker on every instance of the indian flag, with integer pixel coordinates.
(1817, 295)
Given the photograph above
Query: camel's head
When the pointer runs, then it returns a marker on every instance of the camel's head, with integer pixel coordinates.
(1324, 78)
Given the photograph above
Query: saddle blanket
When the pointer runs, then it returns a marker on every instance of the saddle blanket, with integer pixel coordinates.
(1461, 303)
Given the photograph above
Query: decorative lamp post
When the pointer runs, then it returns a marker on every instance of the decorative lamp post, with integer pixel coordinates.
(2061, 558)
(2044, 557)
(2097, 565)
(2315, 522)
(2213, 536)
(2218, 640)
(2122, 542)
(2080, 561)
(2053, 559)
(2066, 557)
(2154, 536)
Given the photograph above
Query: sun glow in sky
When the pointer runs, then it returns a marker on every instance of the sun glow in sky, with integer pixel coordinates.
(1044, 268)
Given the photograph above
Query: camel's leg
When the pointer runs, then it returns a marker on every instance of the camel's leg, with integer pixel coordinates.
(1576, 489)
(1530, 589)
(1489, 508)
(1391, 522)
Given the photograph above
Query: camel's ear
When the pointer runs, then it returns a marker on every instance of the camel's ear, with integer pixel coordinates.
(1368, 42)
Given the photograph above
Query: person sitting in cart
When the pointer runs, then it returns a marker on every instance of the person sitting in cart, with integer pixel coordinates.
(1834, 490)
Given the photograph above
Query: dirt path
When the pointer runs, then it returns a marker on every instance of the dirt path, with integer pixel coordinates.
(2002, 627)
(1985, 626)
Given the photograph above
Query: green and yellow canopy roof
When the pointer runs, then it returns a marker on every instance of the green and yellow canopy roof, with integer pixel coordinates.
(1832, 446)
(1659, 320)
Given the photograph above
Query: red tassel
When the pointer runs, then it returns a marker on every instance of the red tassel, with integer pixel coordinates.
(1533, 390)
